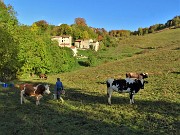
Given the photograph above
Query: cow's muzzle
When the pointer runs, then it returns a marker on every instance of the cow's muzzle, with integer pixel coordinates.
(145, 81)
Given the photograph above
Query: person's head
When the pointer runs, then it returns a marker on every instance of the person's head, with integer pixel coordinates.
(58, 79)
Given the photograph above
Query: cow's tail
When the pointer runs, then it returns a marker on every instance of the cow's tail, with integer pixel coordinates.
(108, 85)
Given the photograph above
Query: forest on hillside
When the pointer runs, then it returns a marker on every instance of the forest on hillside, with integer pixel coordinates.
(29, 49)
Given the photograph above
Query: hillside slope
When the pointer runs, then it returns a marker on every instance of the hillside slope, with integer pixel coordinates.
(85, 111)
(158, 104)
(160, 57)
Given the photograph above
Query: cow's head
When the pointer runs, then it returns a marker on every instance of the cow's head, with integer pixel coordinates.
(144, 75)
(47, 89)
(145, 82)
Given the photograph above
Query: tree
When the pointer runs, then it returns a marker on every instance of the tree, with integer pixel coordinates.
(76, 32)
(65, 29)
(29, 49)
(56, 31)
(8, 43)
(151, 29)
(176, 21)
(42, 24)
(35, 28)
(140, 31)
(8, 52)
(145, 31)
(119, 33)
(80, 21)
(85, 35)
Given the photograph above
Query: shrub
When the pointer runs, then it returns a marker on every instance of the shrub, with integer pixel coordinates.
(92, 61)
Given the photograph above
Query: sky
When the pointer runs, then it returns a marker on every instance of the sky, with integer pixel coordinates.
(107, 14)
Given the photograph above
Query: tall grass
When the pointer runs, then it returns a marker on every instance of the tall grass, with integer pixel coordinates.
(85, 111)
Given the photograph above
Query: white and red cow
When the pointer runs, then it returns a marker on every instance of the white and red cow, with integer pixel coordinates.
(137, 75)
(36, 91)
(128, 85)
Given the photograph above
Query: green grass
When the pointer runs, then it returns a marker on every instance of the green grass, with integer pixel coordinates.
(85, 111)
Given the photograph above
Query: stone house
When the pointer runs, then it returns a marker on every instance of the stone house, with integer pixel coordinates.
(65, 41)
(95, 45)
(86, 44)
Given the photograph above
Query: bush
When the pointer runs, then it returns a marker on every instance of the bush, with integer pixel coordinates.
(92, 61)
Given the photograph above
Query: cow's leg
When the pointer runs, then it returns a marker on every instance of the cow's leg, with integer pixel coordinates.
(22, 96)
(131, 97)
(109, 94)
(37, 99)
(62, 100)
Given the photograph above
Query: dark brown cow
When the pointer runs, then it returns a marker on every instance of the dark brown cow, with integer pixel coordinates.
(36, 91)
(43, 76)
(137, 75)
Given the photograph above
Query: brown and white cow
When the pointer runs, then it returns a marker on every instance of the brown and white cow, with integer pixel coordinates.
(137, 75)
(128, 85)
(34, 91)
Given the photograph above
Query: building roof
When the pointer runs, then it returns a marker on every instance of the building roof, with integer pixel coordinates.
(64, 43)
(73, 47)
(78, 40)
(63, 36)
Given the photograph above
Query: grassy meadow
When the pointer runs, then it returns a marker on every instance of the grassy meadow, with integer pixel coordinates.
(85, 112)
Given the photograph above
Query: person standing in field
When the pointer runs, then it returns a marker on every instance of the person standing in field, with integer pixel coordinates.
(59, 89)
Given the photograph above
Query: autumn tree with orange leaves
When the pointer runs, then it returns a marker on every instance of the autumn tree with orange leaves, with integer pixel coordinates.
(80, 21)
